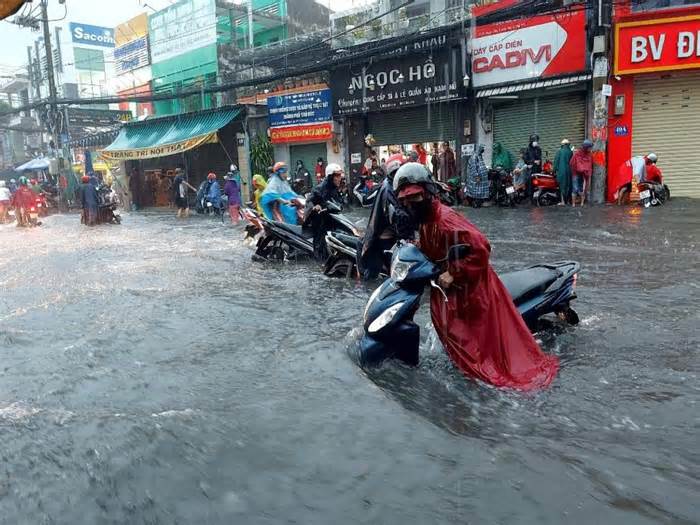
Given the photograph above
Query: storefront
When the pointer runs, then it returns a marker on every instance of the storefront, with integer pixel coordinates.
(151, 150)
(302, 130)
(530, 77)
(407, 97)
(655, 104)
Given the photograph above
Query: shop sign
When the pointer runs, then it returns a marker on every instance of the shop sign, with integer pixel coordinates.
(91, 35)
(529, 48)
(131, 30)
(158, 151)
(300, 108)
(657, 45)
(182, 27)
(95, 118)
(130, 56)
(303, 133)
(356, 158)
(396, 83)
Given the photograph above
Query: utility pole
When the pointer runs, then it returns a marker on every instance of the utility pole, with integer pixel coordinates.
(52, 118)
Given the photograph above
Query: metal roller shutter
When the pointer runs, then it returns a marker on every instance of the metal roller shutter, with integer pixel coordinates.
(666, 120)
(553, 118)
(410, 125)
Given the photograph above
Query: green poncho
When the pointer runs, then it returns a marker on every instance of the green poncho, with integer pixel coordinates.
(502, 157)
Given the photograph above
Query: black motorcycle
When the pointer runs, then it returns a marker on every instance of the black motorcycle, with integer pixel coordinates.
(502, 189)
(282, 241)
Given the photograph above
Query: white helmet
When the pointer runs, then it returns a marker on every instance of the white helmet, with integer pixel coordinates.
(2, 183)
(652, 157)
(333, 169)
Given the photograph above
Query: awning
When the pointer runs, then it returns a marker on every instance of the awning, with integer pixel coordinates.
(514, 88)
(168, 135)
(34, 164)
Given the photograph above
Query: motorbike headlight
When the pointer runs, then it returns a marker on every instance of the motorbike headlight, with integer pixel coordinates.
(385, 318)
(399, 270)
(372, 297)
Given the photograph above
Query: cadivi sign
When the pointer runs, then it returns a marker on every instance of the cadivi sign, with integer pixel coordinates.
(92, 35)
(657, 45)
(530, 48)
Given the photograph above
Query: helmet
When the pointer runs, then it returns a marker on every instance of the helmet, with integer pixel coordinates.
(333, 169)
(278, 166)
(2, 183)
(652, 157)
(23, 181)
(587, 144)
(393, 163)
(412, 173)
(12, 181)
(85, 179)
(534, 137)
(211, 176)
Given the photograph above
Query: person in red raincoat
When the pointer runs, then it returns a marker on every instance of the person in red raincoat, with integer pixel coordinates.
(479, 326)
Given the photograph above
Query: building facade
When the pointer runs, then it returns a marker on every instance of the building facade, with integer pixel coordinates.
(132, 64)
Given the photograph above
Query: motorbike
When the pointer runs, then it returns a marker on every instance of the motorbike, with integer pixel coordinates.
(27, 217)
(365, 191)
(282, 241)
(389, 329)
(107, 206)
(647, 193)
(445, 194)
(342, 254)
(503, 191)
(455, 187)
(545, 189)
(41, 205)
(255, 225)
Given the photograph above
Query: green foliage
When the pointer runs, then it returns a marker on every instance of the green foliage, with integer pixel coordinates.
(261, 154)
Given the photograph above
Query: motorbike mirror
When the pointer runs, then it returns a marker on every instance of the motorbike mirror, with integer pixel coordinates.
(458, 252)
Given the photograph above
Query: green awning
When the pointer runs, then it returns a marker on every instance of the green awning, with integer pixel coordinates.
(168, 135)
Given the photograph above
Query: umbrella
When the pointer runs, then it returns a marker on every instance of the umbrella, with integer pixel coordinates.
(34, 164)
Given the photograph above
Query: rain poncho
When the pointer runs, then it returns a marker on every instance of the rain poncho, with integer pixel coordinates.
(562, 169)
(214, 193)
(276, 190)
(260, 184)
(479, 326)
(233, 192)
(23, 198)
(477, 178)
(502, 157)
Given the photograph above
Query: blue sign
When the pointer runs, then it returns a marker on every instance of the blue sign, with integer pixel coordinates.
(621, 131)
(92, 35)
(311, 107)
(131, 55)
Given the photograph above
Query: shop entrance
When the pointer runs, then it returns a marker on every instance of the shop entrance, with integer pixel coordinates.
(308, 154)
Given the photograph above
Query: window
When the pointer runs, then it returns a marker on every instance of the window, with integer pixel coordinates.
(89, 59)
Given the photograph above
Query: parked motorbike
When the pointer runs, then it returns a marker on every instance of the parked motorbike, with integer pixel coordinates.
(445, 194)
(365, 191)
(342, 254)
(107, 206)
(389, 329)
(282, 241)
(456, 189)
(255, 225)
(503, 191)
(648, 194)
(545, 189)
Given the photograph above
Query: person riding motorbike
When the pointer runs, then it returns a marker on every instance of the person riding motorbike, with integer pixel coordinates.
(213, 191)
(314, 217)
(259, 184)
(386, 224)
(5, 198)
(278, 198)
(22, 201)
(480, 327)
(89, 201)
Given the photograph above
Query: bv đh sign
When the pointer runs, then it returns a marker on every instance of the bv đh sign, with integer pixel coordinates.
(529, 49)
(657, 45)
(300, 117)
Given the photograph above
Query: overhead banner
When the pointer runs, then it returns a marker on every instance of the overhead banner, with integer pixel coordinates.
(657, 45)
(304, 133)
(91, 35)
(397, 82)
(529, 48)
(160, 150)
(182, 27)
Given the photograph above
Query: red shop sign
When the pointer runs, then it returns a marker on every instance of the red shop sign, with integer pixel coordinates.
(529, 48)
(657, 45)
(301, 133)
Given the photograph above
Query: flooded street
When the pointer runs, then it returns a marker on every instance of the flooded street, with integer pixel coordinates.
(151, 373)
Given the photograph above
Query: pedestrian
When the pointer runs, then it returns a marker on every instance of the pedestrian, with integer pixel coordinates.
(520, 171)
(88, 200)
(371, 162)
(448, 164)
(259, 185)
(320, 170)
(562, 170)
(581, 171)
(233, 191)
(533, 155)
(5, 198)
(502, 158)
(13, 186)
(478, 186)
(473, 315)
(180, 194)
(421, 153)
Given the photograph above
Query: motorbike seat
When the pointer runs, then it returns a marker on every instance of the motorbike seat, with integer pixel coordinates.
(295, 229)
(348, 240)
(525, 284)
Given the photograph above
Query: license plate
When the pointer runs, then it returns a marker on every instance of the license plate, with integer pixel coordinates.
(644, 194)
(510, 189)
(33, 216)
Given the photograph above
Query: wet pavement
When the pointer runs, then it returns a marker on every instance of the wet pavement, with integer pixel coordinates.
(151, 373)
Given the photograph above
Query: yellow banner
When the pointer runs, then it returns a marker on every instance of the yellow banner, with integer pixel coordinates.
(158, 151)
(135, 28)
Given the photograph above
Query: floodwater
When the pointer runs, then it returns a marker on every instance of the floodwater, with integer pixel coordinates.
(151, 373)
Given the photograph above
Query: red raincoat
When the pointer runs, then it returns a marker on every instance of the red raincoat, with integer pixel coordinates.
(479, 326)
(23, 198)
